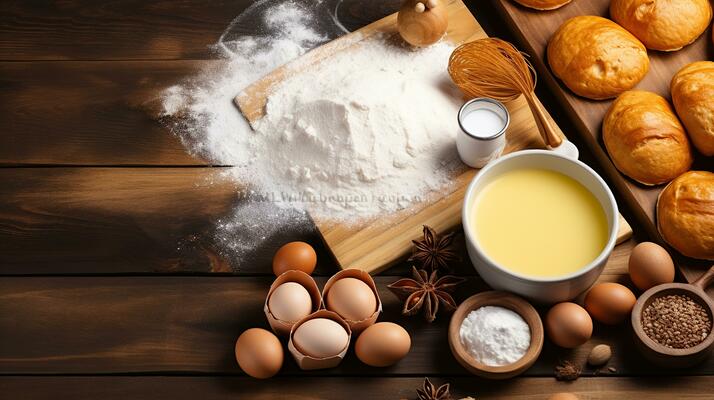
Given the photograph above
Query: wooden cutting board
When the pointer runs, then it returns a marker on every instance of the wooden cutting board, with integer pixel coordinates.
(534, 28)
(377, 244)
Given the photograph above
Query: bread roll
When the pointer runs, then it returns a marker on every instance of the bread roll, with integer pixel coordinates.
(693, 97)
(596, 58)
(645, 139)
(663, 24)
(543, 4)
(685, 214)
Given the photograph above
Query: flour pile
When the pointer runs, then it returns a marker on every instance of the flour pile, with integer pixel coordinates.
(369, 131)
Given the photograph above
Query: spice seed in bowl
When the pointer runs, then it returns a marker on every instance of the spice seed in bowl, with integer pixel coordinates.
(676, 321)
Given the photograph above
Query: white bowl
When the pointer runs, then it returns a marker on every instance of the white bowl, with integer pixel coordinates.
(543, 290)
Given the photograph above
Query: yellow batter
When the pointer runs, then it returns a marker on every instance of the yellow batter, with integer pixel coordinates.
(539, 223)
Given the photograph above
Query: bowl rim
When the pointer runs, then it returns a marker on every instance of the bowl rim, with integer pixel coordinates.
(656, 291)
(613, 221)
(486, 298)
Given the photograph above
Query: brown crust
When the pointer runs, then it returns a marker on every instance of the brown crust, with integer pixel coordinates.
(663, 24)
(644, 138)
(543, 5)
(685, 214)
(693, 97)
(596, 58)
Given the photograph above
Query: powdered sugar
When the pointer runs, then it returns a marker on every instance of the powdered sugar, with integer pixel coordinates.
(495, 335)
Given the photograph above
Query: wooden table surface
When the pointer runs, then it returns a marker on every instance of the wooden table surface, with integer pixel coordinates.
(111, 283)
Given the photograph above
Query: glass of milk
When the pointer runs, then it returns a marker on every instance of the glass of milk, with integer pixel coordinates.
(483, 122)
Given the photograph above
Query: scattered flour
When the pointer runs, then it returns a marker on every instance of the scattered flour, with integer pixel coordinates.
(495, 336)
(369, 132)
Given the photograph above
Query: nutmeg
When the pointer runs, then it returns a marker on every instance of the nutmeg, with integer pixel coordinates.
(599, 355)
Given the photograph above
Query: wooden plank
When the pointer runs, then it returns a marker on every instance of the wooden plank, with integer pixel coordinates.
(98, 113)
(135, 29)
(229, 388)
(533, 30)
(89, 325)
(126, 29)
(119, 220)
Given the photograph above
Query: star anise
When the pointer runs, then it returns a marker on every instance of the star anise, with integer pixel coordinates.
(426, 291)
(431, 392)
(434, 251)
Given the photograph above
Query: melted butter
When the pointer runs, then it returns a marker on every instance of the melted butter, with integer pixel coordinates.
(539, 223)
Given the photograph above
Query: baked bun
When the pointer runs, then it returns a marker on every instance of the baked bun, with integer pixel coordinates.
(693, 97)
(685, 214)
(543, 4)
(596, 58)
(645, 139)
(663, 24)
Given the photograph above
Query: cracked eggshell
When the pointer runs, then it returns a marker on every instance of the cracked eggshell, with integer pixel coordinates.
(280, 327)
(307, 362)
(356, 326)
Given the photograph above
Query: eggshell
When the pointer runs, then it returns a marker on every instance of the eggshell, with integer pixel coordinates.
(279, 326)
(259, 353)
(290, 302)
(352, 299)
(308, 362)
(383, 344)
(568, 325)
(650, 265)
(320, 338)
(294, 256)
(610, 303)
(356, 326)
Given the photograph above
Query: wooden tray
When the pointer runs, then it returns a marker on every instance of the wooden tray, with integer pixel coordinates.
(534, 28)
(377, 244)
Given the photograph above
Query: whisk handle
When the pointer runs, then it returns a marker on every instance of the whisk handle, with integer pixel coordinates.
(550, 136)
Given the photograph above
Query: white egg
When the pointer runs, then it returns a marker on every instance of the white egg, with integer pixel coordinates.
(290, 302)
(320, 338)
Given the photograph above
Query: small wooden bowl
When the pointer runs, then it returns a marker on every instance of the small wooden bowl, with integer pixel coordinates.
(665, 356)
(502, 299)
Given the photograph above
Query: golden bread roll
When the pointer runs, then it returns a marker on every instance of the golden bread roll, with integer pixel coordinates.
(693, 97)
(543, 4)
(596, 58)
(645, 139)
(685, 214)
(663, 24)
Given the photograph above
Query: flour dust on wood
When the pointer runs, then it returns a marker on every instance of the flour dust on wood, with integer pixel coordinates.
(362, 134)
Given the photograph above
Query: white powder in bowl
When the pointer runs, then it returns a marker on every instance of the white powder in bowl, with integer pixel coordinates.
(495, 336)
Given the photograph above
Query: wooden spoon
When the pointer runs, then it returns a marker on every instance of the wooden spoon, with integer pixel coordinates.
(663, 355)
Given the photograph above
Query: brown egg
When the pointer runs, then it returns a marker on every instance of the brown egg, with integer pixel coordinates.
(294, 255)
(259, 353)
(650, 265)
(610, 303)
(353, 299)
(563, 396)
(568, 325)
(383, 344)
